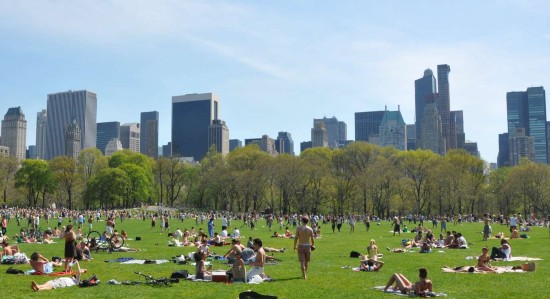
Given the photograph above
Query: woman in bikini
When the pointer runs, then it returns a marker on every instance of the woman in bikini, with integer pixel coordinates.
(420, 288)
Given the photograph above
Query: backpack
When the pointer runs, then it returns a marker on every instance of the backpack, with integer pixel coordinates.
(354, 254)
(11, 270)
(180, 274)
(93, 281)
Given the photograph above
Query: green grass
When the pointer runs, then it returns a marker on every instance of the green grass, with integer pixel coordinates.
(326, 277)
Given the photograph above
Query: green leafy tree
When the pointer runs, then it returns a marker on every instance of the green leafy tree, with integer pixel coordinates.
(108, 188)
(8, 167)
(35, 180)
(66, 176)
(138, 183)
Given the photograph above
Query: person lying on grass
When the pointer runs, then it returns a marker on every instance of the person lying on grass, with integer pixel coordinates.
(420, 288)
(370, 265)
(61, 282)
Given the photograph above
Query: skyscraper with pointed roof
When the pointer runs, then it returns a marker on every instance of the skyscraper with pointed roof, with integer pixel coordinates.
(14, 133)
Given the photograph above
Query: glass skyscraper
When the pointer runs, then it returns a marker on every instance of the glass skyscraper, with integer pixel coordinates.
(367, 123)
(444, 102)
(62, 108)
(105, 132)
(424, 92)
(149, 134)
(192, 115)
(284, 143)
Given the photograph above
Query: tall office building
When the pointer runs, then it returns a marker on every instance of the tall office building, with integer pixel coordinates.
(444, 102)
(105, 132)
(192, 115)
(411, 137)
(113, 146)
(41, 123)
(218, 135)
(284, 143)
(130, 136)
(336, 130)
(62, 107)
(72, 140)
(503, 158)
(319, 135)
(432, 137)
(305, 145)
(528, 110)
(14, 133)
(235, 143)
(31, 152)
(393, 130)
(4, 151)
(424, 92)
(471, 148)
(456, 123)
(167, 150)
(149, 134)
(520, 146)
(367, 124)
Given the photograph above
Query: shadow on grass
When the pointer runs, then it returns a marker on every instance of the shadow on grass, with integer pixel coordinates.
(289, 278)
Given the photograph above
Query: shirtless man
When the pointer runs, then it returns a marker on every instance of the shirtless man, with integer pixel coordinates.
(41, 264)
(304, 234)
(9, 249)
(259, 261)
(232, 253)
(484, 262)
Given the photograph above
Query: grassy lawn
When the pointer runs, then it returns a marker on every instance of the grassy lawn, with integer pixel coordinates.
(326, 278)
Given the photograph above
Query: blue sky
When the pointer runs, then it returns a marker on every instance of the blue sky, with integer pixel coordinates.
(276, 65)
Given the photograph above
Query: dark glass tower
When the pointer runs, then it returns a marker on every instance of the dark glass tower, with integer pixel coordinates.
(444, 102)
(149, 134)
(105, 132)
(424, 92)
(192, 115)
(284, 143)
(367, 123)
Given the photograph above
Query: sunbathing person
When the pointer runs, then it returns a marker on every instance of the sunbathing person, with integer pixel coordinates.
(484, 262)
(41, 264)
(272, 249)
(231, 255)
(370, 265)
(515, 234)
(420, 288)
(58, 283)
(9, 249)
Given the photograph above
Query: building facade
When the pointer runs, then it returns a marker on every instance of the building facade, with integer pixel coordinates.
(192, 115)
(105, 132)
(367, 124)
(112, 146)
(393, 130)
(130, 136)
(431, 137)
(149, 134)
(62, 108)
(4, 151)
(284, 143)
(218, 136)
(41, 123)
(336, 130)
(319, 135)
(265, 143)
(411, 137)
(425, 90)
(503, 158)
(14, 133)
(235, 143)
(444, 102)
(520, 146)
(72, 140)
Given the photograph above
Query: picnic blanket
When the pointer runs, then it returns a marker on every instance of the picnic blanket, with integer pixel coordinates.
(33, 272)
(133, 262)
(398, 292)
(120, 260)
(17, 258)
(523, 259)
(498, 270)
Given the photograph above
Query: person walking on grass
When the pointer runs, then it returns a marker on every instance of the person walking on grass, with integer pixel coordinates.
(306, 243)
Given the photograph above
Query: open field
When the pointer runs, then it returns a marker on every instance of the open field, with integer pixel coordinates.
(326, 278)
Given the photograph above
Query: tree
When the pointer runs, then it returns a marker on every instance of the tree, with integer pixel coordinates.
(312, 178)
(418, 176)
(107, 189)
(137, 183)
(90, 162)
(35, 180)
(66, 175)
(8, 167)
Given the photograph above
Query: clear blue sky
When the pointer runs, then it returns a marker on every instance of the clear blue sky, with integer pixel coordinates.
(276, 65)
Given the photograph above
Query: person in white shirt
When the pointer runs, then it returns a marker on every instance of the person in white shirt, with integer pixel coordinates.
(223, 234)
(513, 223)
(236, 233)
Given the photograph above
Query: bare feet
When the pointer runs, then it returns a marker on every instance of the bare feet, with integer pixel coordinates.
(34, 285)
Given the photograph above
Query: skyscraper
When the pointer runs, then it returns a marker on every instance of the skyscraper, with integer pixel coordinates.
(112, 146)
(14, 133)
(218, 135)
(41, 123)
(503, 158)
(520, 146)
(105, 132)
(424, 92)
(393, 130)
(457, 136)
(336, 130)
(367, 123)
(235, 143)
(149, 134)
(62, 107)
(411, 137)
(431, 137)
(72, 140)
(130, 136)
(284, 143)
(265, 143)
(192, 115)
(319, 135)
(527, 110)
(444, 101)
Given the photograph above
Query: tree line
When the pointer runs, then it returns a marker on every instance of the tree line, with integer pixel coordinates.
(360, 178)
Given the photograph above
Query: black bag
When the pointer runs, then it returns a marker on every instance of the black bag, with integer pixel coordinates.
(138, 238)
(180, 274)
(354, 254)
(93, 281)
(11, 270)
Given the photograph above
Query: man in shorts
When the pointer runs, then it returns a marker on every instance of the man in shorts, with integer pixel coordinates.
(306, 243)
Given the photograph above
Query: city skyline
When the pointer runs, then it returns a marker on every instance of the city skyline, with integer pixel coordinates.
(276, 66)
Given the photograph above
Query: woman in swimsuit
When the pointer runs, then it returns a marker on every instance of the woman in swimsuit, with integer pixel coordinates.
(419, 288)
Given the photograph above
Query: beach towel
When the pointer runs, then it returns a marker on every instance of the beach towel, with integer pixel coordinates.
(398, 292)
(133, 262)
(120, 260)
(498, 270)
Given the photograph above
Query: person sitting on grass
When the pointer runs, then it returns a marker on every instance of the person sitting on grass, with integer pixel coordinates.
(58, 283)
(372, 250)
(515, 234)
(484, 262)
(200, 268)
(42, 265)
(370, 265)
(503, 252)
(9, 249)
(237, 273)
(237, 247)
(425, 248)
(420, 288)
